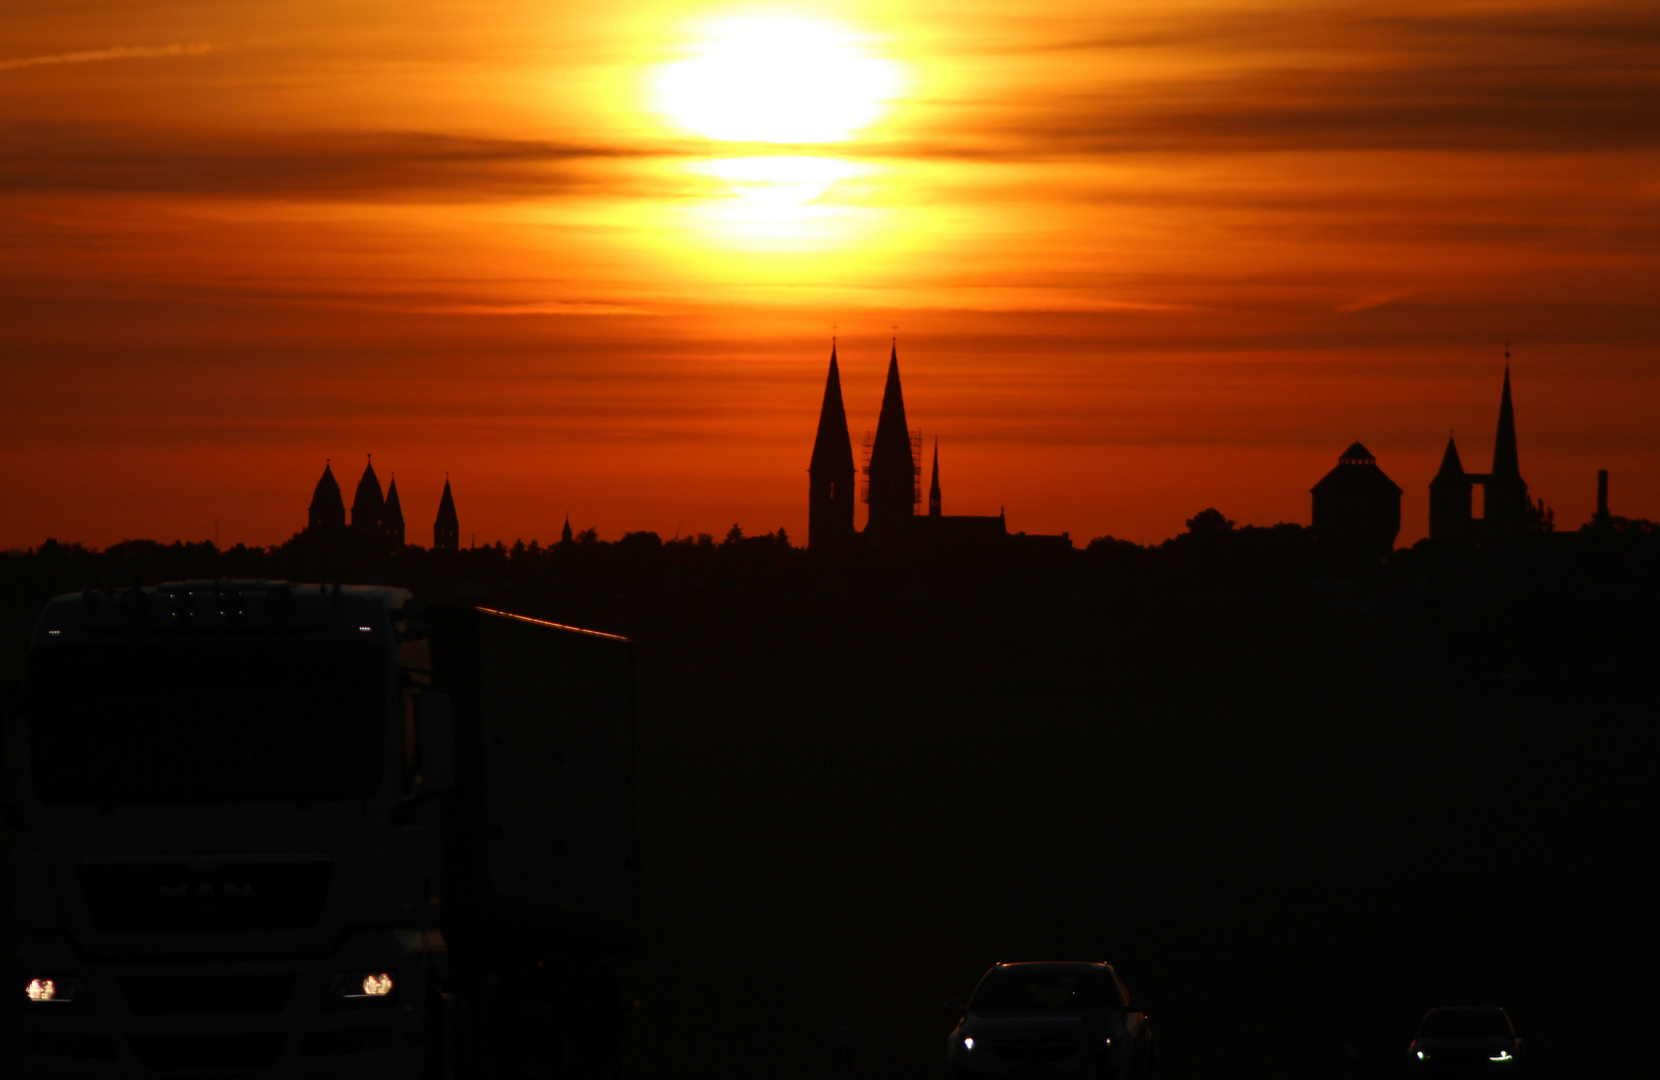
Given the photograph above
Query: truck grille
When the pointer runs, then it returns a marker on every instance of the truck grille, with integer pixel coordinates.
(182, 1053)
(206, 995)
(1032, 1051)
(177, 896)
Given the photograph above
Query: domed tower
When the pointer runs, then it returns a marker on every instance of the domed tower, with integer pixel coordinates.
(1357, 509)
(830, 490)
(328, 509)
(391, 519)
(368, 505)
(893, 472)
(446, 531)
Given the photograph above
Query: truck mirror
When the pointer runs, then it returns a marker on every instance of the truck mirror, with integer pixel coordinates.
(435, 731)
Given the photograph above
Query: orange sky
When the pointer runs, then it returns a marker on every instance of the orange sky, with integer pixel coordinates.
(1144, 258)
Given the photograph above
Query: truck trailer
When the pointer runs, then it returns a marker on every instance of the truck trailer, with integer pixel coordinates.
(318, 831)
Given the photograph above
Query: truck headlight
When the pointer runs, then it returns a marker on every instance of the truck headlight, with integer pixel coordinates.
(53, 991)
(359, 988)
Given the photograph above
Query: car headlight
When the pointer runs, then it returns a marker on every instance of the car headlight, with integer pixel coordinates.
(356, 989)
(1421, 1055)
(53, 992)
(968, 1042)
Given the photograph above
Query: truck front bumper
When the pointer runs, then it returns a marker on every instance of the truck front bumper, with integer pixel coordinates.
(218, 1016)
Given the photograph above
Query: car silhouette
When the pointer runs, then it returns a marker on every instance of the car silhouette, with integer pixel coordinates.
(1466, 1039)
(1047, 1021)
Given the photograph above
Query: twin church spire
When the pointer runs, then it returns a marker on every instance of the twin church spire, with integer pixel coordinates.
(893, 471)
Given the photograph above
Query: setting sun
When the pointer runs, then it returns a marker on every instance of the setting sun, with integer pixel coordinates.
(776, 80)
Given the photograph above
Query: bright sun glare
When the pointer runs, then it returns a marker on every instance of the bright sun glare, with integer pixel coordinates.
(777, 79)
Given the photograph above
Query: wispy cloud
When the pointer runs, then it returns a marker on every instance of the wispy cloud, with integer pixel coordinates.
(119, 52)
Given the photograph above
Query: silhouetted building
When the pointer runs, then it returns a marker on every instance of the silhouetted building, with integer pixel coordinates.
(1505, 508)
(1602, 498)
(893, 473)
(1450, 498)
(391, 518)
(565, 533)
(446, 531)
(328, 509)
(368, 505)
(830, 484)
(934, 508)
(1356, 507)
(958, 533)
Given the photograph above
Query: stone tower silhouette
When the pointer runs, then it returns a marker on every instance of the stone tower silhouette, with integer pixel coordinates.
(1357, 508)
(934, 488)
(446, 531)
(391, 519)
(328, 509)
(1450, 498)
(830, 489)
(368, 505)
(893, 471)
(1505, 507)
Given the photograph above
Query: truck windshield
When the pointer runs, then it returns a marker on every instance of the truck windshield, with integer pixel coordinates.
(207, 721)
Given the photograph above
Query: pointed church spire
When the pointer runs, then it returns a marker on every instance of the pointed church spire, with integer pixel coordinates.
(328, 509)
(1505, 462)
(1505, 507)
(368, 504)
(830, 473)
(934, 488)
(565, 533)
(446, 530)
(391, 519)
(893, 470)
(1451, 467)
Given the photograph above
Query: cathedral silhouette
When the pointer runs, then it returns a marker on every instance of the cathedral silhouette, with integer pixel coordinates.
(377, 520)
(892, 489)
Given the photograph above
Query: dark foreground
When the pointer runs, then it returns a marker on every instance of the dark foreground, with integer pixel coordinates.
(1294, 811)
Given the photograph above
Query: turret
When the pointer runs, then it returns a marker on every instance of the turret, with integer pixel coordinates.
(830, 490)
(368, 505)
(446, 531)
(391, 519)
(328, 509)
(1450, 499)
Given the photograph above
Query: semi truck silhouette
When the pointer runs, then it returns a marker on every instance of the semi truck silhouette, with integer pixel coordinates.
(320, 831)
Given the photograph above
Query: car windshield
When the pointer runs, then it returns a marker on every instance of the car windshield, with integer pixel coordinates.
(207, 721)
(1046, 988)
(1465, 1024)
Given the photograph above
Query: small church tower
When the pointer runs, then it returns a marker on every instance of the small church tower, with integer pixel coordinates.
(368, 505)
(1450, 498)
(830, 490)
(328, 509)
(893, 471)
(391, 519)
(446, 531)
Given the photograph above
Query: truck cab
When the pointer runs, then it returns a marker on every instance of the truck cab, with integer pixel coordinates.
(234, 801)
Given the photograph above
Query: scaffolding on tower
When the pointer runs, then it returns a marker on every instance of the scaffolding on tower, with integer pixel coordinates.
(916, 468)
